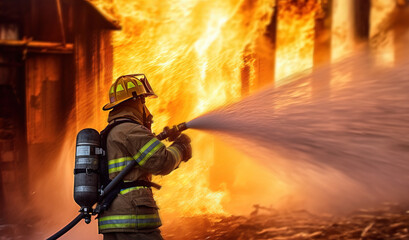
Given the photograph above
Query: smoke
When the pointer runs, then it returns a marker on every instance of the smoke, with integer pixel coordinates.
(338, 135)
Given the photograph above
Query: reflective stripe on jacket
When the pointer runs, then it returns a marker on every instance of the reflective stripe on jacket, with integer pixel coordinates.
(129, 221)
(133, 142)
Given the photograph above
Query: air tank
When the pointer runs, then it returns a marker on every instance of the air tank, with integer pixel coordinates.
(86, 178)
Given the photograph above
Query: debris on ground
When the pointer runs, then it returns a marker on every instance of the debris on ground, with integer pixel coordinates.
(389, 221)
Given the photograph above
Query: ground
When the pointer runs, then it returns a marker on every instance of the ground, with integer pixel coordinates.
(389, 221)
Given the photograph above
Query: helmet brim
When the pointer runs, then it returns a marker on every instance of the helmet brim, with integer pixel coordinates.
(109, 106)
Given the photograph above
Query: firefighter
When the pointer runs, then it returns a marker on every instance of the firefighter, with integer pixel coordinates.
(133, 214)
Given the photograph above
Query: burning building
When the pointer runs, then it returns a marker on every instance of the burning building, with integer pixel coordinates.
(57, 64)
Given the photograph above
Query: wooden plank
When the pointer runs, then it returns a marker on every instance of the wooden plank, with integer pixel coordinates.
(61, 21)
(39, 46)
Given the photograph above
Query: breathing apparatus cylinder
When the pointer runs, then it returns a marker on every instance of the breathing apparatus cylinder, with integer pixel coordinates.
(86, 177)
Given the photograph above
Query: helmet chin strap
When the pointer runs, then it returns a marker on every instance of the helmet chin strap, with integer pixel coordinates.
(146, 120)
(144, 117)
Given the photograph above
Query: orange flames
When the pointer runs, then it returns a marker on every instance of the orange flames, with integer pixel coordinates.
(192, 52)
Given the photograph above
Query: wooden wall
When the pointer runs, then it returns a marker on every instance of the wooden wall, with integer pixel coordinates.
(94, 65)
(59, 92)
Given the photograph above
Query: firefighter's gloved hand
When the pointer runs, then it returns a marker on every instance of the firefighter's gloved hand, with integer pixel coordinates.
(183, 142)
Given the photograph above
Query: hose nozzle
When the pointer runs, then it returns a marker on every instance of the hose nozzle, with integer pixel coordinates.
(172, 133)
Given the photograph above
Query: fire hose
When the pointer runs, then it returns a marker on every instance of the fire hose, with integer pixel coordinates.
(168, 133)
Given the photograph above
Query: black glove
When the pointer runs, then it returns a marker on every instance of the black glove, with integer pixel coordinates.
(183, 144)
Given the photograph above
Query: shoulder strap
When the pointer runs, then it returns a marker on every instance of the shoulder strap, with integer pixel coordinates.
(103, 163)
(104, 133)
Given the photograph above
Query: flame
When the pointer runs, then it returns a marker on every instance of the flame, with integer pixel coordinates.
(192, 53)
(381, 34)
(295, 37)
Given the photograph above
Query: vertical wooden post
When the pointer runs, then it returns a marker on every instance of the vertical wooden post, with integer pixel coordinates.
(322, 49)
(382, 35)
(61, 21)
(261, 58)
(342, 29)
(361, 16)
(401, 29)
(265, 53)
(322, 34)
(1, 188)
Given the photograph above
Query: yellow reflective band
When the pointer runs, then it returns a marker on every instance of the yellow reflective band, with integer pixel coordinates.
(119, 160)
(129, 221)
(130, 85)
(148, 155)
(175, 152)
(117, 165)
(111, 90)
(150, 148)
(117, 217)
(127, 190)
(123, 217)
(130, 225)
(116, 169)
(147, 151)
(119, 88)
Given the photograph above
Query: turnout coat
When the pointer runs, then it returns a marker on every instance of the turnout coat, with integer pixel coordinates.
(134, 209)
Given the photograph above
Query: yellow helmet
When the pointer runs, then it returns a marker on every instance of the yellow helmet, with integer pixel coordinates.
(127, 87)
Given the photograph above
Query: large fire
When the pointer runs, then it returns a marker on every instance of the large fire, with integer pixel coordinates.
(192, 52)
(199, 55)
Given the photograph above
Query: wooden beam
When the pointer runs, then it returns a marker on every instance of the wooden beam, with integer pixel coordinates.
(36, 46)
(111, 22)
(61, 21)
